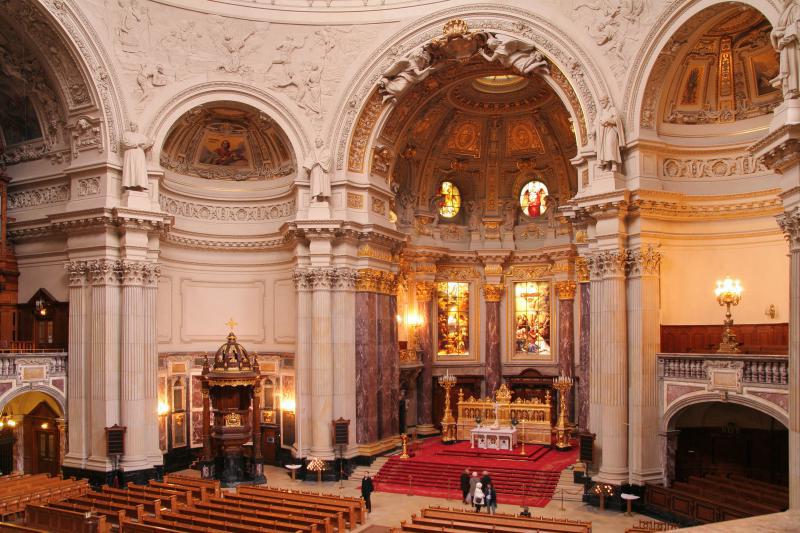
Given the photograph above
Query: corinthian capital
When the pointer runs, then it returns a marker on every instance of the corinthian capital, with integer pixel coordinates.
(493, 292)
(644, 262)
(78, 272)
(566, 290)
(301, 279)
(608, 263)
(425, 290)
(346, 278)
(103, 271)
(790, 224)
(131, 272)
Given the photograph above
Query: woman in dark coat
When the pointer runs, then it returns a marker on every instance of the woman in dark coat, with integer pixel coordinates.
(366, 492)
(464, 485)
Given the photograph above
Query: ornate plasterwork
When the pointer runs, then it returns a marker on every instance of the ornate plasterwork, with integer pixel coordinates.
(366, 121)
(86, 134)
(530, 272)
(112, 271)
(493, 292)
(565, 290)
(425, 291)
(724, 376)
(372, 280)
(645, 261)
(716, 167)
(456, 273)
(227, 213)
(676, 206)
(790, 224)
(38, 197)
(88, 186)
(582, 269)
(608, 263)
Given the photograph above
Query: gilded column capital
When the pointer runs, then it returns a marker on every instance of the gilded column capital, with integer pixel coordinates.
(372, 280)
(644, 262)
(425, 290)
(493, 292)
(566, 289)
(582, 269)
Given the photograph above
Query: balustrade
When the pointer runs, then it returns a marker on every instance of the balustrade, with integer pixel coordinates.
(757, 369)
(56, 362)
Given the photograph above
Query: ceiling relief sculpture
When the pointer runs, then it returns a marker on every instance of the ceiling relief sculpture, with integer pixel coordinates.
(717, 69)
(230, 142)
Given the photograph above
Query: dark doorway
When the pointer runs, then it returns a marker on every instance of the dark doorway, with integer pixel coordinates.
(43, 444)
(270, 441)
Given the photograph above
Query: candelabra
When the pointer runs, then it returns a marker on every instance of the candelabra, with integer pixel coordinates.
(563, 428)
(447, 382)
(316, 465)
(728, 293)
(404, 438)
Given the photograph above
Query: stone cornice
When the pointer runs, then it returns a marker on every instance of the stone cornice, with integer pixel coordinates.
(660, 205)
(778, 136)
(87, 220)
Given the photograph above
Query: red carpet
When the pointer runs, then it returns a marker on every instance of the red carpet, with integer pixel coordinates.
(435, 470)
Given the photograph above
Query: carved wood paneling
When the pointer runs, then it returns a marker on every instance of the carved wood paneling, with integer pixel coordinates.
(755, 338)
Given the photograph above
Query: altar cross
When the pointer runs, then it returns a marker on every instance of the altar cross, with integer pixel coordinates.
(231, 324)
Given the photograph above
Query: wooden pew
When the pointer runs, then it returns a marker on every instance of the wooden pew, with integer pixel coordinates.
(209, 487)
(355, 508)
(50, 489)
(172, 525)
(56, 520)
(198, 494)
(131, 511)
(114, 517)
(505, 520)
(214, 523)
(296, 520)
(150, 505)
(348, 515)
(268, 523)
(181, 495)
(139, 527)
(5, 527)
(333, 517)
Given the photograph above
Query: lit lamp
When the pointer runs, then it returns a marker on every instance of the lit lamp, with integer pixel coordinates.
(163, 408)
(413, 321)
(728, 292)
(563, 428)
(447, 382)
(288, 404)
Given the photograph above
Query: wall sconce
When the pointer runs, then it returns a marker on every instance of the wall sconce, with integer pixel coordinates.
(413, 321)
(771, 311)
(40, 309)
(45, 425)
(163, 408)
(288, 404)
(728, 293)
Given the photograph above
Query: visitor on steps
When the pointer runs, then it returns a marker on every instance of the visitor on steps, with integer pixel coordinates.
(525, 512)
(464, 485)
(490, 498)
(472, 482)
(485, 479)
(366, 491)
(478, 497)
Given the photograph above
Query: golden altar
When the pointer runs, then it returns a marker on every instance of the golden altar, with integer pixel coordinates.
(533, 416)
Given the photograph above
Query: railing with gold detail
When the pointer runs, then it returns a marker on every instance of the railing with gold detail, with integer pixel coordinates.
(533, 416)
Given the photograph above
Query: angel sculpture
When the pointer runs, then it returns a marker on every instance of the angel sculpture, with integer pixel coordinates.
(516, 54)
(404, 74)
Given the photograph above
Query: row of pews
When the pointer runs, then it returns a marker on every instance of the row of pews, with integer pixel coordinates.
(649, 526)
(714, 498)
(187, 504)
(20, 490)
(447, 520)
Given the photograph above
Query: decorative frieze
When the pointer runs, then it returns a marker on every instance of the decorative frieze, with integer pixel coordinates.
(565, 290)
(88, 186)
(530, 273)
(366, 250)
(718, 167)
(53, 194)
(223, 213)
(493, 292)
(355, 201)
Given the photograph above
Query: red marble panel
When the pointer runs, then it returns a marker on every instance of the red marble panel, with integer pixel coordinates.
(676, 391)
(197, 428)
(197, 392)
(779, 399)
(57, 383)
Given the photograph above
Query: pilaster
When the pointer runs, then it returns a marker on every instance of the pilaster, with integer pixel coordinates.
(493, 294)
(302, 369)
(424, 293)
(344, 349)
(322, 280)
(78, 364)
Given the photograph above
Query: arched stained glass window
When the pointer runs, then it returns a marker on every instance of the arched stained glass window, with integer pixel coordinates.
(448, 199)
(533, 199)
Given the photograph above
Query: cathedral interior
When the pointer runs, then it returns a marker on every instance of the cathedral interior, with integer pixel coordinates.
(240, 235)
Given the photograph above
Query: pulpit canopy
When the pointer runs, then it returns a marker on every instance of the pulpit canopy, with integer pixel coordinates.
(232, 365)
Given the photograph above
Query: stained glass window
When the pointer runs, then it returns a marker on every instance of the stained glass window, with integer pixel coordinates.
(448, 199)
(533, 198)
(532, 316)
(453, 318)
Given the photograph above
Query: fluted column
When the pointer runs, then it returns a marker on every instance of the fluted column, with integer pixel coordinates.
(614, 372)
(77, 404)
(594, 420)
(644, 342)
(790, 224)
(133, 408)
(344, 348)
(151, 273)
(321, 364)
(566, 327)
(492, 294)
(302, 369)
(425, 291)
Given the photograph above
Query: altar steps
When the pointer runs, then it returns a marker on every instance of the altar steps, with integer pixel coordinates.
(532, 453)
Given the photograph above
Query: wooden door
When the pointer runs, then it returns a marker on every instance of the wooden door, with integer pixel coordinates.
(45, 452)
(270, 440)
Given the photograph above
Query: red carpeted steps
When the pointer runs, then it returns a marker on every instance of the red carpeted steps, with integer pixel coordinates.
(529, 479)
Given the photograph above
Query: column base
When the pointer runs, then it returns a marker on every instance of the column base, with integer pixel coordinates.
(611, 476)
(75, 462)
(141, 477)
(425, 430)
(640, 478)
(96, 478)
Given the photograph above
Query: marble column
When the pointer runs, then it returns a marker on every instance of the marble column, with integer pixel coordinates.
(492, 294)
(321, 364)
(566, 327)
(669, 447)
(613, 393)
(425, 291)
(133, 411)
(77, 404)
(388, 367)
(790, 224)
(582, 368)
(366, 368)
(344, 349)
(104, 378)
(303, 285)
(644, 341)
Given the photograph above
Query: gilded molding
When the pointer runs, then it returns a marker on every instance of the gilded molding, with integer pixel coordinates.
(533, 272)
(425, 290)
(366, 250)
(565, 289)
(452, 273)
(493, 270)
(582, 269)
(493, 292)
(372, 280)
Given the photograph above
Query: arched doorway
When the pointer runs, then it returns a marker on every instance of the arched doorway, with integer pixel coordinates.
(32, 439)
(722, 438)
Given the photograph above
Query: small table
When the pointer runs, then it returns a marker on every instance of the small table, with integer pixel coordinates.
(629, 498)
(487, 438)
(294, 469)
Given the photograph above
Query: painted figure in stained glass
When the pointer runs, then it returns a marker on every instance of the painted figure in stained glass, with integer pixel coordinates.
(448, 200)
(453, 318)
(532, 312)
(533, 199)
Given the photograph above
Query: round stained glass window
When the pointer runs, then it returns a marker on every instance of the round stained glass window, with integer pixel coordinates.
(448, 199)
(533, 198)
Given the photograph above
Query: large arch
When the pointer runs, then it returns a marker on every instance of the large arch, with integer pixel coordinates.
(565, 54)
(661, 32)
(47, 390)
(667, 418)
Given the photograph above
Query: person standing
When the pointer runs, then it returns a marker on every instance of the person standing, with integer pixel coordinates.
(485, 479)
(490, 498)
(464, 485)
(472, 482)
(478, 498)
(366, 491)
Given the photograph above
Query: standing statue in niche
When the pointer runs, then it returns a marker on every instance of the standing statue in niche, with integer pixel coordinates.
(509, 215)
(318, 165)
(516, 54)
(134, 162)
(474, 215)
(404, 74)
(405, 208)
(785, 38)
(608, 136)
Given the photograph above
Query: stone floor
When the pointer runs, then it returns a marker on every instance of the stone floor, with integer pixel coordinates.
(389, 509)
